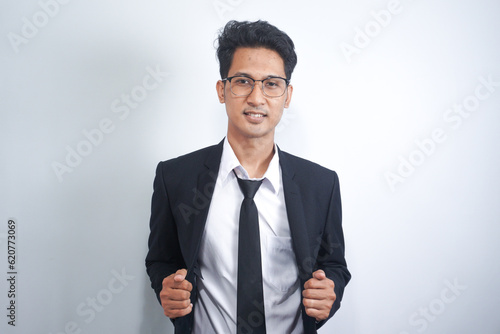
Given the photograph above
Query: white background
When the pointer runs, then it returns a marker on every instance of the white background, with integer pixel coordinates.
(361, 114)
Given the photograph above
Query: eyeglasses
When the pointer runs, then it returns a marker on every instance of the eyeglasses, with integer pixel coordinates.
(271, 87)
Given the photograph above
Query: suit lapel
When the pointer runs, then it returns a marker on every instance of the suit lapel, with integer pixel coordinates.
(206, 179)
(296, 218)
(298, 230)
(205, 187)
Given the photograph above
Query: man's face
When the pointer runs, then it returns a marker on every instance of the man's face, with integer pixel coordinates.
(255, 115)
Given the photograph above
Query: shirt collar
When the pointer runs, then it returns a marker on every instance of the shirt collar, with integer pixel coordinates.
(230, 162)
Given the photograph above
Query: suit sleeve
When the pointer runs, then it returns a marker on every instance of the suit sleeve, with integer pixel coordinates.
(164, 256)
(331, 255)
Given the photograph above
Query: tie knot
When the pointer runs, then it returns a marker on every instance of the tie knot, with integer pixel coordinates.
(249, 187)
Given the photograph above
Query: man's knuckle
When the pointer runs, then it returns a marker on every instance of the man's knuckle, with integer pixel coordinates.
(311, 312)
(308, 302)
(167, 280)
(175, 314)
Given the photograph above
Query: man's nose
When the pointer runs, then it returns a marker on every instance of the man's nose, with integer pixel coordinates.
(257, 96)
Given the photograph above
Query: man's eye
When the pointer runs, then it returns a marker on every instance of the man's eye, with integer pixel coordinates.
(242, 81)
(274, 83)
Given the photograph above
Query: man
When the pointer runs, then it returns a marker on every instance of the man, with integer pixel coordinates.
(211, 270)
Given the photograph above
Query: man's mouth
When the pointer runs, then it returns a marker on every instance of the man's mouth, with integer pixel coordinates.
(254, 114)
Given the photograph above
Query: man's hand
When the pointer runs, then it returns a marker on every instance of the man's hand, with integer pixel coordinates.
(319, 296)
(175, 295)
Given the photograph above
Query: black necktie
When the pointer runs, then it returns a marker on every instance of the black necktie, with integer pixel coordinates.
(250, 305)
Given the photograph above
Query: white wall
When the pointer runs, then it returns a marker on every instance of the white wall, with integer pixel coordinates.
(360, 105)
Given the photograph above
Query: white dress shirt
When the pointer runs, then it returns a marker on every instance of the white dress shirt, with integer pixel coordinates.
(215, 310)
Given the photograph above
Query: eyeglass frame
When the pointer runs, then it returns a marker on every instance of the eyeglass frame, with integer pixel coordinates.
(287, 82)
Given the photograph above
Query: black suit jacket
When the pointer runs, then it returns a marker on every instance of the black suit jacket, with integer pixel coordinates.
(183, 190)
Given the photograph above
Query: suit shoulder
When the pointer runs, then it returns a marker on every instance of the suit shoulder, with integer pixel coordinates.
(304, 165)
(187, 158)
(188, 164)
(314, 180)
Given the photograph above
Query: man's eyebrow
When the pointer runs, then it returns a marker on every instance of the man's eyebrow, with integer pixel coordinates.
(243, 74)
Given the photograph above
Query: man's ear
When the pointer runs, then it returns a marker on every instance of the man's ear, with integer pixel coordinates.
(220, 91)
(289, 91)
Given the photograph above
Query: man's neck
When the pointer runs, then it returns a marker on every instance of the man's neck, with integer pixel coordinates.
(254, 154)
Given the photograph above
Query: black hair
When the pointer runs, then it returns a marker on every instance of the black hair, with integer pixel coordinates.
(254, 34)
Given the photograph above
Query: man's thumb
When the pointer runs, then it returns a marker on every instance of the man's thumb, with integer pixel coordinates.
(319, 274)
(180, 275)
